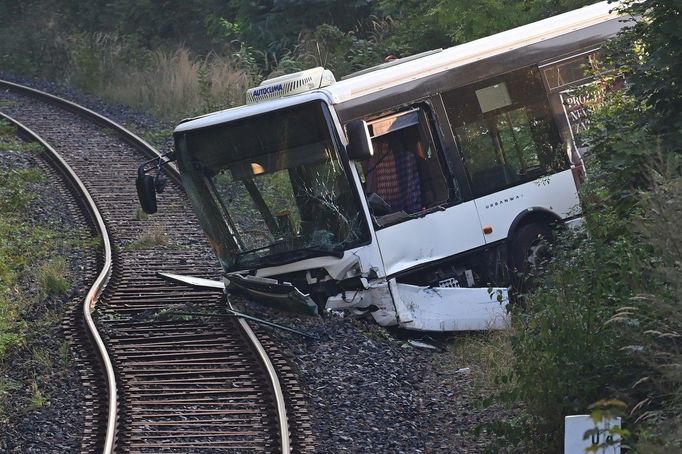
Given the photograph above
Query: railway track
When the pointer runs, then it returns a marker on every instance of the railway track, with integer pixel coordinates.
(185, 377)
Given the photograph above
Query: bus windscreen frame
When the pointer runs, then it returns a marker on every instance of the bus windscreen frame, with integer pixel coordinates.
(272, 188)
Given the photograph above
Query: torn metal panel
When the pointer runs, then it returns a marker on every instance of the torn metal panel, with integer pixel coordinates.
(428, 309)
(449, 309)
(269, 291)
(376, 299)
(355, 262)
(192, 281)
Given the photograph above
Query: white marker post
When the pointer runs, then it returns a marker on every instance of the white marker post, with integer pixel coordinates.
(578, 425)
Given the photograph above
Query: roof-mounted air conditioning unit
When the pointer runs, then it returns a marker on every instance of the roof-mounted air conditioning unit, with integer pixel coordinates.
(291, 84)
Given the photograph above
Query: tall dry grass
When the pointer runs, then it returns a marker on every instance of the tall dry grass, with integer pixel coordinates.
(171, 84)
(177, 84)
(660, 375)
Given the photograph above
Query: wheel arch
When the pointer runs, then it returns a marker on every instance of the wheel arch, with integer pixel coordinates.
(530, 216)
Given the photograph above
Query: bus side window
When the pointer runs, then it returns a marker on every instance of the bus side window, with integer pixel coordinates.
(575, 90)
(405, 175)
(505, 130)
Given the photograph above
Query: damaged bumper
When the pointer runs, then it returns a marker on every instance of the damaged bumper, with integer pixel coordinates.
(390, 303)
(429, 309)
(272, 292)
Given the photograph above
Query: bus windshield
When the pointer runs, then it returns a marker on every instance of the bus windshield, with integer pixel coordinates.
(271, 189)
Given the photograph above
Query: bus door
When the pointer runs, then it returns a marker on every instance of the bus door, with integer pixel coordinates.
(413, 199)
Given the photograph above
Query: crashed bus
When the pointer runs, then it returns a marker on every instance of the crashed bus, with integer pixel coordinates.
(414, 190)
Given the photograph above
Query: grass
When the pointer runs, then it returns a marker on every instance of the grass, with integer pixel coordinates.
(31, 257)
(37, 399)
(48, 319)
(7, 388)
(12, 332)
(15, 192)
(156, 137)
(139, 214)
(9, 142)
(94, 242)
(17, 238)
(52, 277)
(7, 102)
(42, 359)
(8, 131)
(489, 355)
(170, 84)
(65, 355)
(153, 237)
(21, 246)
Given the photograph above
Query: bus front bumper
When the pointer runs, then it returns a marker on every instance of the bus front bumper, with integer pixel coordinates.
(429, 308)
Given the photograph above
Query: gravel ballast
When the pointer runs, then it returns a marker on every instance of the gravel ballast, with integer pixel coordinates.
(369, 391)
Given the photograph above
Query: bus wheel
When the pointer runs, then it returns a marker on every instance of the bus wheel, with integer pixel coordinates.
(527, 251)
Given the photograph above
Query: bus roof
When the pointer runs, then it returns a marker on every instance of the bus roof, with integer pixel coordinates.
(397, 72)
(472, 51)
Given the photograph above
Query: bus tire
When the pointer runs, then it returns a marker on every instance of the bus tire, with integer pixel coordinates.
(527, 250)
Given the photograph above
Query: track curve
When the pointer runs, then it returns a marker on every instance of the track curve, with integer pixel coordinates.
(88, 205)
(189, 378)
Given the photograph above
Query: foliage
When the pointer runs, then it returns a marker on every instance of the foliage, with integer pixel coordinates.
(96, 60)
(658, 408)
(341, 52)
(178, 84)
(203, 55)
(274, 27)
(606, 324)
(567, 355)
(656, 66)
(442, 23)
(31, 42)
(172, 85)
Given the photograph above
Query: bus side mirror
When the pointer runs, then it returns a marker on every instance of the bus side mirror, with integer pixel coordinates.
(147, 185)
(359, 142)
(146, 191)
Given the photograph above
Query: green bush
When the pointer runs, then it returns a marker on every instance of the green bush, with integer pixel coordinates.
(658, 407)
(604, 325)
(604, 322)
(567, 353)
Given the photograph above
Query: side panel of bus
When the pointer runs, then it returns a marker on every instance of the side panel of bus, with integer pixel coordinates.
(556, 194)
(432, 237)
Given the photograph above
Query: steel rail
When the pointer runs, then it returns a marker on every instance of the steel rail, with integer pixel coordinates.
(130, 137)
(101, 281)
(276, 386)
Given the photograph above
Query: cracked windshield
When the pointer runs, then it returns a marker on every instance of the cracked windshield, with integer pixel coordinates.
(278, 185)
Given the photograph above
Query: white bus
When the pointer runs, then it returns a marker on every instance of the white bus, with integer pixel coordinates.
(409, 190)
